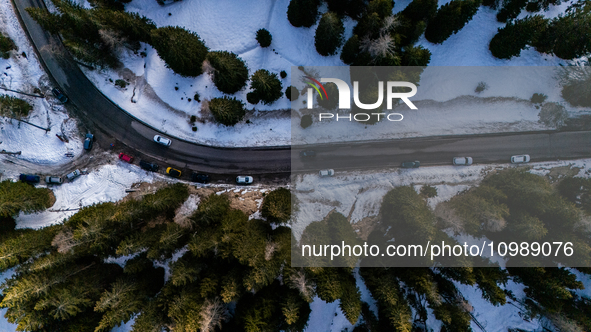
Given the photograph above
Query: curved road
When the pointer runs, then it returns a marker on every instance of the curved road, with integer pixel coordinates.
(132, 132)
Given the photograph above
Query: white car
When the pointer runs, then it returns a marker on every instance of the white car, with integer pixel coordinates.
(524, 158)
(326, 172)
(162, 140)
(73, 175)
(462, 161)
(53, 180)
(244, 179)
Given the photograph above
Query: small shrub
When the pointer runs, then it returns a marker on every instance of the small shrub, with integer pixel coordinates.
(332, 101)
(553, 115)
(197, 97)
(428, 191)
(538, 98)
(121, 83)
(14, 107)
(264, 37)
(193, 118)
(194, 128)
(6, 45)
(292, 93)
(252, 98)
(227, 111)
(306, 121)
(283, 74)
(481, 87)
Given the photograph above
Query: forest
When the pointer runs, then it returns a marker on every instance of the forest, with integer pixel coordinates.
(218, 270)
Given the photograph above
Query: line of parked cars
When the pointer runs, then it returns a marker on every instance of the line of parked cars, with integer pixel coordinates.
(50, 179)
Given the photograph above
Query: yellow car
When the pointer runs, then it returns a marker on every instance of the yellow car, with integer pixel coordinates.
(173, 172)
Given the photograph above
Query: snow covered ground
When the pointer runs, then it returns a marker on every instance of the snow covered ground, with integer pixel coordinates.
(151, 95)
(38, 147)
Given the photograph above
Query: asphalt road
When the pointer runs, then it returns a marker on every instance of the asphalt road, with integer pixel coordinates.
(137, 136)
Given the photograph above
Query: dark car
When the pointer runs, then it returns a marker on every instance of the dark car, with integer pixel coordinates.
(148, 166)
(59, 95)
(88, 141)
(308, 154)
(411, 164)
(30, 178)
(200, 178)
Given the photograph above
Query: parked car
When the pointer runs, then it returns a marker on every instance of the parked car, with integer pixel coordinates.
(307, 154)
(59, 95)
(73, 175)
(200, 178)
(520, 159)
(88, 141)
(462, 161)
(162, 140)
(244, 179)
(54, 180)
(326, 172)
(173, 172)
(149, 166)
(126, 158)
(411, 164)
(30, 178)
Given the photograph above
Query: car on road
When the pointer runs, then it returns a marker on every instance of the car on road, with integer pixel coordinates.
(88, 141)
(462, 161)
(73, 175)
(326, 172)
(173, 172)
(520, 159)
(411, 164)
(162, 140)
(29, 178)
(54, 180)
(244, 179)
(199, 177)
(149, 166)
(59, 95)
(307, 154)
(126, 158)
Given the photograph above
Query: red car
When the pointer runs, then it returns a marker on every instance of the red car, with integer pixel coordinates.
(126, 158)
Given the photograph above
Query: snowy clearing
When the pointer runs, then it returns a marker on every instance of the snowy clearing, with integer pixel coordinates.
(24, 74)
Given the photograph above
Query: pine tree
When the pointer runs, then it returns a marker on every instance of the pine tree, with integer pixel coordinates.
(264, 37)
(329, 34)
(449, 19)
(420, 10)
(183, 51)
(6, 45)
(303, 13)
(276, 206)
(511, 9)
(331, 101)
(230, 72)
(515, 36)
(568, 34)
(227, 111)
(267, 87)
(416, 56)
(18, 197)
(350, 50)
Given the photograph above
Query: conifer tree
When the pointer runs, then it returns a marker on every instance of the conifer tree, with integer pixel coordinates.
(230, 72)
(266, 86)
(449, 19)
(329, 34)
(227, 111)
(303, 13)
(277, 206)
(264, 37)
(183, 51)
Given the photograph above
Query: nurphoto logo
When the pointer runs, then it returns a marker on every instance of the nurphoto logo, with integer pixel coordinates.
(344, 95)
